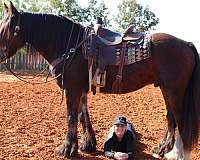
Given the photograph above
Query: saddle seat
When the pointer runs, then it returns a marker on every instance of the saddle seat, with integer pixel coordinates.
(110, 38)
(111, 48)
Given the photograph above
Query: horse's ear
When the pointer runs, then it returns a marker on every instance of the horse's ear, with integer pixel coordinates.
(12, 9)
(5, 7)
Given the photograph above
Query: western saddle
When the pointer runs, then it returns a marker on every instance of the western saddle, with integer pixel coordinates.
(109, 48)
(110, 38)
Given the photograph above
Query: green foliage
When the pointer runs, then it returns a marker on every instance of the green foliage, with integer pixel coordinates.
(144, 19)
(132, 13)
(1, 10)
(126, 13)
(68, 8)
(88, 14)
(129, 12)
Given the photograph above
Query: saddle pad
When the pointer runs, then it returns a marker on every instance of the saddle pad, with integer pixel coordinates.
(135, 52)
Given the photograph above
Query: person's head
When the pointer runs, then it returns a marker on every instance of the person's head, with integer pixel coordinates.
(120, 126)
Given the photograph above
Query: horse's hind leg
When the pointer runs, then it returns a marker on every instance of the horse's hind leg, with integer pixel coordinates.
(70, 146)
(174, 100)
(168, 141)
(178, 153)
(88, 141)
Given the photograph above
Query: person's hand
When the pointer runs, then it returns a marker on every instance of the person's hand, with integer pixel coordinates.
(120, 156)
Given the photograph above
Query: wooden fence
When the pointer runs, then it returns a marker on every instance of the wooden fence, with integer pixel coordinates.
(27, 62)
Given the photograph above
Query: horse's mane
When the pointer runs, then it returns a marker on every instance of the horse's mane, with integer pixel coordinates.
(49, 32)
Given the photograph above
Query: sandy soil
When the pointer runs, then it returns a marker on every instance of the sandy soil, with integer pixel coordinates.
(33, 123)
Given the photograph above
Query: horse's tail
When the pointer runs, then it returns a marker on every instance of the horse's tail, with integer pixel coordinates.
(190, 121)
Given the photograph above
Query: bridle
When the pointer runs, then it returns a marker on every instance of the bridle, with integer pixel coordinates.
(68, 56)
(4, 54)
(65, 59)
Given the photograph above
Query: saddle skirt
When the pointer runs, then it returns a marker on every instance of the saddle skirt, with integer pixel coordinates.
(108, 48)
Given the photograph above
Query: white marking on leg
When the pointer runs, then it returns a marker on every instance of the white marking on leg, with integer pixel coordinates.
(155, 155)
(177, 153)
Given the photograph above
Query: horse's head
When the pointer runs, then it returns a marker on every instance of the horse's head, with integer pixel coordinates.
(10, 34)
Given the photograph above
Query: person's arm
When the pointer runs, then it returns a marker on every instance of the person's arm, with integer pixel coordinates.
(112, 154)
(108, 149)
(130, 146)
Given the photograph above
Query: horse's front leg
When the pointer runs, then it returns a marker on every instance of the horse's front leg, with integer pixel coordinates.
(70, 146)
(167, 143)
(88, 141)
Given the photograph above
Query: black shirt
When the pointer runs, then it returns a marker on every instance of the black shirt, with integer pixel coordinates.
(127, 145)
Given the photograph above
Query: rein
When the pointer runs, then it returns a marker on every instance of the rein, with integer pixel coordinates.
(66, 58)
(5, 56)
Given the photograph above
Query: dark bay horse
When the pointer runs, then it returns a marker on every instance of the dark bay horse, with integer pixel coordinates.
(174, 66)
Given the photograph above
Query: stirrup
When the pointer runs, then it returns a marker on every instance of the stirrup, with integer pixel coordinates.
(99, 79)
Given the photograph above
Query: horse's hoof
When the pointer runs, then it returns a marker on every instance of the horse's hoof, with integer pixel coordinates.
(88, 144)
(67, 151)
(177, 155)
(171, 156)
(155, 152)
(63, 151)
(88, 148)
(74, 150)
(161, 150)
(156, 155)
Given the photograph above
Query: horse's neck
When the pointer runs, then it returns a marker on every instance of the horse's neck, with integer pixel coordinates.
(51, 39)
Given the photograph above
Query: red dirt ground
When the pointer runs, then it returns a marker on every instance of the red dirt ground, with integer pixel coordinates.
(33, 124)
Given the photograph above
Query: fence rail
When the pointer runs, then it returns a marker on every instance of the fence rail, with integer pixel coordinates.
(26, 62)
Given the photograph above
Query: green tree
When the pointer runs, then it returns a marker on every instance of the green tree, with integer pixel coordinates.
(68, 8)
(59, 7)
(130, 12)
(94, 9)
(27, 5)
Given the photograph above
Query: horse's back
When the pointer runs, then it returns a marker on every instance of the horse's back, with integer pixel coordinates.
(163, 37)
(170, 51)
(171, 61)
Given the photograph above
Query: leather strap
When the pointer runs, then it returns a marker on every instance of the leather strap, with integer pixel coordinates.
(116, 87)
(92, 87)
